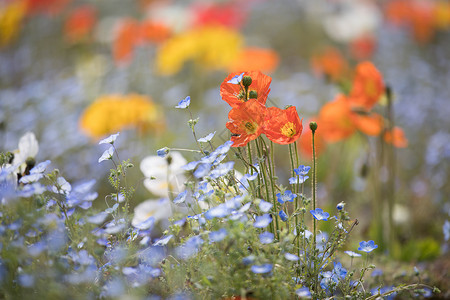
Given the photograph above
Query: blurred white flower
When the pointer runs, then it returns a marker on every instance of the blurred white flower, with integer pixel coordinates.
(28, 147)
(162, 177)
(158, 209)
(351, 20)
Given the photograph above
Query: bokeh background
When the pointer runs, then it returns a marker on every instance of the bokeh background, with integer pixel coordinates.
(75, 71)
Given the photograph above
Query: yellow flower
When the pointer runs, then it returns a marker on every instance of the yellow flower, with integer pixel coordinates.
(11, 16)
(213, 47)
(111, 113)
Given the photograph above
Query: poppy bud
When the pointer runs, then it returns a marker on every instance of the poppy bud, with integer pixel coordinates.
(246, 81)
(313, 126)
(252, 95)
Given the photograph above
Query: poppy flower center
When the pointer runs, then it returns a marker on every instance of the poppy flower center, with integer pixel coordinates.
(288, 129)
(250, 127)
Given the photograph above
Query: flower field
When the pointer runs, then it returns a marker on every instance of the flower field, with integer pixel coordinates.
(162, 149)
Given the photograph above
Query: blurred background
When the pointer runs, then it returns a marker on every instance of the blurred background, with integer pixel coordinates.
(75, 71)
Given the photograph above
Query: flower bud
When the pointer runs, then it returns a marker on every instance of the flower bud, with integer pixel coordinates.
(340, 206)
(252, 95)
(246, 81)
(313, 126)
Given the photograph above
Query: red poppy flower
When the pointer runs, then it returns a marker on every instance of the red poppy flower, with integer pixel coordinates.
(224, 14)
(330, 63)
(283, 126)
(127, 36)
(155, 32)
(396, 137)
(80, 23)
(336, 120)
(367, 87)
(246, 122)
(234, 94)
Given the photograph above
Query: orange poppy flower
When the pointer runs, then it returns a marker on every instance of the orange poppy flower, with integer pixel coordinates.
(246, 122)
(282, 126)
(370, 124)
(224, 14)
(50, 7)
(305, 141)
(396, 137)
(265, 60)
(234, 94)
(127, 36)
(398, 11)
(330, 63)
(367, 86)
(155, 32)
(80, 23)
(336, 120)
(422, 21)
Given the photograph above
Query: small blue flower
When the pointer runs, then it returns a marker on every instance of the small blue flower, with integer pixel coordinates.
(303, 292)
(287, 196)
(181, 197)
(207, 138)
(446, 230)
(265, 206)
(260, 269)
(329, 279)
(284, 217)
(291, 257)
(218, 211)
(340, 206)
(224, 148)
(190, 166)
(217, 236)
(319, 214)
(162, 152)
(202, 170)
(108, 154)
(339, 270)
(222, 169)
(184, 103)
(376, 272)
(40, 168)
(352, 254)
(163, 241)
(248, 260)
(266, 237)
(109, 140)
(367, 246)
(236, 79)
(302, 170)
(298, 180)
(262, 221)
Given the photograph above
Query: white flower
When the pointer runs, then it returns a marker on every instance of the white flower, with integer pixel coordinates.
(162, 177)
(28, 147)
(158, 209)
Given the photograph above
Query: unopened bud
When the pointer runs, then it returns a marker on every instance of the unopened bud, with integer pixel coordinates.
(252, 95)
(246, 81)
(313, 126)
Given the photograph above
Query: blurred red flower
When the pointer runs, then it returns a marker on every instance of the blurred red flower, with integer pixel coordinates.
(367, 87)
(225, 14)
(396, 137)
(79, 23)
(330, 63)
(305, 142)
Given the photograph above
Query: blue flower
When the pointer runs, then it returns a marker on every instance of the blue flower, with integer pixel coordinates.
(352, 254)
(376, 272)
(319, 214)
(291, 257)
(181, 197)
(339, 270)
(302, 170)
(340, 206)
(260, 269)
(303, 292)
(248, 260)
(236, 79)
(184, 103)
(218, 211)
(190, 166)
(163, 241)
(262, 221)
(367, 246)
(266, 237)
(207, 138)
(222, 169)
(162, 152)
(446, 230)
(202, 170)
(284, 217)
(109, 140)
(108, 154)
(329, 279)
(288, 196)
(217, 236)
(298, 180)
(265, 206)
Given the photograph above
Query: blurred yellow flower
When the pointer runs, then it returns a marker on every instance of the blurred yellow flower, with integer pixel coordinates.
(214, 47)
(112, 113)
(11, 16)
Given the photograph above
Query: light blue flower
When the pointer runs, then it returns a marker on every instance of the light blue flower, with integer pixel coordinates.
(147, 224)
(110, 139)
(222, 169)
(266, 237)
(162, 152)
(108, 154)
(284, 217)
(236, 79)
(40, 167)
(298, 180)
(163, 240)
(224, 148)
(202, 170)
(287, 196)
(207, 138)
(303, 292)
(352, 254)
(184, 103)
(265, 206)
(319, 214)
(181, 197)
(190, 166)
(446, 230)
(302, 170)
(217, 236)
(218, 211)
(260, 269)
(262, 221)
(291, 257)
(248, 260)
(367, 246)
(339, 270)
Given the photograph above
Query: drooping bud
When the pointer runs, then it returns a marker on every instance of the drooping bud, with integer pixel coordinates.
(246, 81)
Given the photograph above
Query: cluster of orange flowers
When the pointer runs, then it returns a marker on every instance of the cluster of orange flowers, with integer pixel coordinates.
(247, 94)
(346, 114)
(112, 113)
(423, 17)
